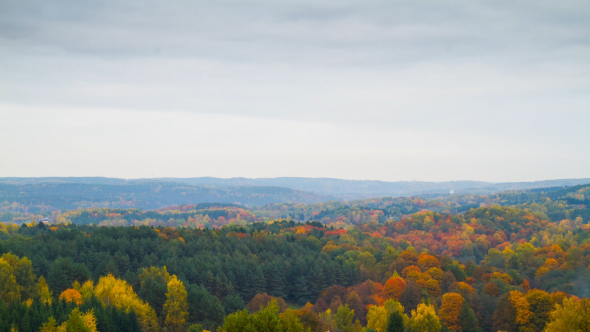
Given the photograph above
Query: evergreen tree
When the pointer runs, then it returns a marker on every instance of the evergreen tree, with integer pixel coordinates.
(256, 284)
(303, 294)
(316, 281)
(467, 319)
(351, 273)
(233, 303)
(50, 326)
(204, 306)
(63, 272)
(395, 323)
(154, 292)
(275, 281)
(76, 322)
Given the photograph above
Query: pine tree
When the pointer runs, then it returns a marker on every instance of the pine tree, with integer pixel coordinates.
(395, 323)
(303, 293)
(256, 284)
(154, 292)
(275, 282)
(50, 326)
(317, 281)
(204, 306)
(76, 322)
(351, 272)
(233, 303)
(467, 319)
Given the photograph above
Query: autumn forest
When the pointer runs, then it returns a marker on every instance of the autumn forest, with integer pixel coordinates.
(514, 261)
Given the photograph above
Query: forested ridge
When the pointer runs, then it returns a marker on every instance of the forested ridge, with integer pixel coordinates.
(554, 204)
(515, 261)
(51, 196)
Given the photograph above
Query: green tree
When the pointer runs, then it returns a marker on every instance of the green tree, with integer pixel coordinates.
(303, 292)
(49, 326)
(265, 320)
(344, 317)
(204, 307)
(195, 328)
(76, 322)
(239, 321)
(233, 303)
(63, 272)
(467, 319)
(395, 323)
(153, 286)
(275, 284)
(290, 322)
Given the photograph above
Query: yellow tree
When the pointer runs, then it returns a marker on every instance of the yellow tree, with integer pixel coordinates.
(175, 307)
(43, 290)
(79, 322)
(90, 320)
(450, 309)
(87, 290)
(49, 326)
(392, 306)
(571, 316)
(377, 318)
(9, 289)
(522, 306)
(159, 274)
(424, 319)
(290, 322)
(118, 293)
(328, 319)
(23, 273)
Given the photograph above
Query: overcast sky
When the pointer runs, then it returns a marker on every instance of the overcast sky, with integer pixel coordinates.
(383, 90)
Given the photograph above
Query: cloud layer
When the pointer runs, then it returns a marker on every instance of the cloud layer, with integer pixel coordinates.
(512, 77)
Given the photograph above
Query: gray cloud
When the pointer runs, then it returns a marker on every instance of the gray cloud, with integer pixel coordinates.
(512, 69)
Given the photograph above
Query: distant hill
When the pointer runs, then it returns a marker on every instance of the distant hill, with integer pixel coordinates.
(334, 188)
(55, 195)
(354, 189)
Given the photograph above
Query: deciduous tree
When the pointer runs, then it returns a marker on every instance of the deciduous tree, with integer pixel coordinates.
(450, 309)
(424, 319)
(176, 306)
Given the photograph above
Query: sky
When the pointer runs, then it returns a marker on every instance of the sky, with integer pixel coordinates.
(372, 90)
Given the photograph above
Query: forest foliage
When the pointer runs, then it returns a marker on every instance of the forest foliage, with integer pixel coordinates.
(498, 267)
